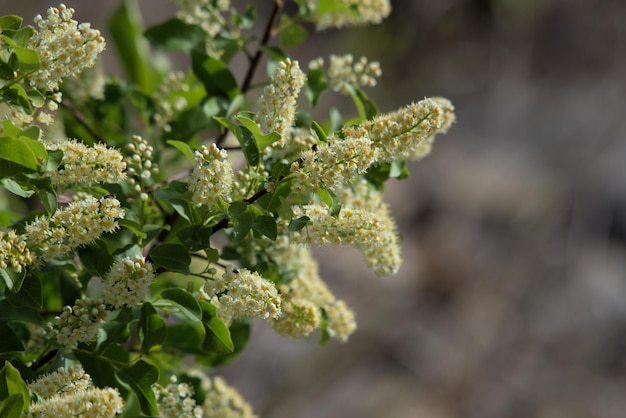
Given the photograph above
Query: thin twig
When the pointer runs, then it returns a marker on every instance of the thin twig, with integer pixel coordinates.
(81, 119)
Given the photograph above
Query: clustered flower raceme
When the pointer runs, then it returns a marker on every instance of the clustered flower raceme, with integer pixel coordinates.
(64, 46)
(71, 393)
(353, 13)
(14, 252)
(344, 72)
(78, 323)
(82, 164)
(403, 134)
(240, 294)
(212, 177)
(277, 104)
(306, 299)
(176, 400)
(128, 282)
(81, 222)
(222, 400)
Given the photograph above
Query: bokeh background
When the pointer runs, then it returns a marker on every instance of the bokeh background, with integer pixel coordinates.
(512, 298)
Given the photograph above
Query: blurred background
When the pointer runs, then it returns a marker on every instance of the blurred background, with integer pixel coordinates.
(512, 298)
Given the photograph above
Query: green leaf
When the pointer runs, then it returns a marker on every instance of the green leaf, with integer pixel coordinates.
(175, 35)
(125, 26)
(292, 34)
(183, 147)
(265, 225)
(298, 223)
(20, 36)
(10, 341)
(187, 337)
(249, 146)
(27, 59)
(187, 304)
(195, 237)
(367, 108)
(217, 338)
(315, 85)
(140, 378)
(271, 202)
(152, 326)
(24, 152)
(15, 188)
(13, 406)
(9, 313)
(171, 257)
(240, 212)
(11, 384)
(215, 76)
(6, 72)
(12, 279)
(28, 296)
(319, 132)
(262, 141)
(331, 200)
(239, 334)
(132, 226)
(96, 258)
(199, 118)
(10, 22)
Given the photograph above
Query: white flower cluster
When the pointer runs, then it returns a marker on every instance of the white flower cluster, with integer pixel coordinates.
(82, 164)
(78, 323)
(205, 13)
(369, 229)
(212, 177)
(14, 253)
(291, 144)
(80, 222)
(242, 294)
(277, 104)
(222, 400)
(128, 282)
(403, 134)
(306, 296)
(176, 400)
(89, 85)
(70, 393)
(343, 71)
(64, 46)
(140, 166)
(353, 13)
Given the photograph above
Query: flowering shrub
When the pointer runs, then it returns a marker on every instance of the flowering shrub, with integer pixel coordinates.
(145, 222)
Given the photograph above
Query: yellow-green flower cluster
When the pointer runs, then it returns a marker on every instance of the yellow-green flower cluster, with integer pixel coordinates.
(64, 46)
(70, 393)
(242, 294)
(351, 13)
(402, 134)
(169, 98)
(306, 296)
(277, 104)
(81, 222)
(176, 400)
(369, 229)
(343, 72)
(212, 177)
(223, 401)
(82, 164)
(128, 282)
(78, 323)
(14, 253)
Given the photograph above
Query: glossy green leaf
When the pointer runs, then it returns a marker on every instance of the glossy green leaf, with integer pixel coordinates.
(243, 217)
(12, 407)
(126, 28)
(217, 338)
(367, 109)
(319, 132)
(186, 303)
(23, 152)
(331, 200)
(298, 223)
(175, 35)
(140, 378)
(262, 141)
(12, 279)
(195, 237)
(187, 337)
(27, 59)
(249, 147)
(171, 257)
(152, 326)
(183, 147)
(21, 36)
(96, 258)
(28, 296)
(11, 384)
(215, 76)
(292, 33)
(11, 22)
(265, 225)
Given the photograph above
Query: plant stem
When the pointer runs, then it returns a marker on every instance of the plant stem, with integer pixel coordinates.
(81, 119)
